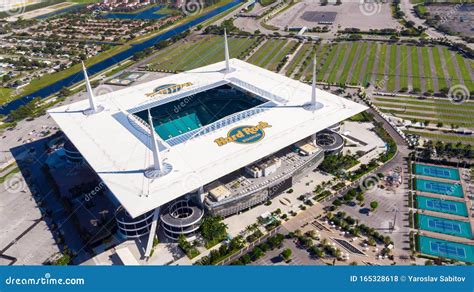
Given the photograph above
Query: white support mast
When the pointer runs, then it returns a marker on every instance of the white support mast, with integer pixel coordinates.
(90, 93)
(313, 89)
(157, 163)
(226, 48)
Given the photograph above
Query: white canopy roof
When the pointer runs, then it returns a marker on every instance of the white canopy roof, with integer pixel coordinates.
(119, 149)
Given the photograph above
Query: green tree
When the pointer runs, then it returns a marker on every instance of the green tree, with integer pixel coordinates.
(286, 254)
(374, 205)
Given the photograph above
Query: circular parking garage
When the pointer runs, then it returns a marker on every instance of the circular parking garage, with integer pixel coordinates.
(182, 217)
(133, 227)
(331, 142)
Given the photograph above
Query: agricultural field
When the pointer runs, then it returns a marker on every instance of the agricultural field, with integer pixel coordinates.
(187, 55)
(391, 67)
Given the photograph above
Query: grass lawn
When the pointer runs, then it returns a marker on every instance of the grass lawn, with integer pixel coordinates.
(439, 68)
(281, 54)
(5, 94)
(298, 58)
(428, 102)
(426, 69)
(340, 57)
(465, 71)
(450, 60)
(355, 75)
(403, 66)
(265, 53)
(327, 63)
(415, 68)
(392, 69)
(453, 138)
(381, 63)
(426, 107)
(369, 70)
(348, 64)
(187, 55)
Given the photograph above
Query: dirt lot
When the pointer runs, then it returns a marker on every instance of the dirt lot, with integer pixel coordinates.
(459, 18)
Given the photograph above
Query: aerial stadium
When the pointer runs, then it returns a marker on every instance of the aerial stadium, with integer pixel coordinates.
(217, 139)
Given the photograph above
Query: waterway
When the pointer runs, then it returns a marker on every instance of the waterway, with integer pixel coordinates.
(98, 67)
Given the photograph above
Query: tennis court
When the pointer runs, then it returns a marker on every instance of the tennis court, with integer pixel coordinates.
(446, 249)
(441, 188)
(445, 226)
(440, 205)
(437, 171)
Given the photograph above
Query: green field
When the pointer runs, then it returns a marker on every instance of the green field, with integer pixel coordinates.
(187, 55)
(268, 55)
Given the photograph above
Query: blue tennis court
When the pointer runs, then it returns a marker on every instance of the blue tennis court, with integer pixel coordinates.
(447, 249)
(441, 188)
(439, 205)
(437, 171)
(445, 226)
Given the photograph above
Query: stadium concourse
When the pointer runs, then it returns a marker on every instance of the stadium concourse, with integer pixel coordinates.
(221, 138)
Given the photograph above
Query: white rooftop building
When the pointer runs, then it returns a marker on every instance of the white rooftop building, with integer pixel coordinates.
(194, 149)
